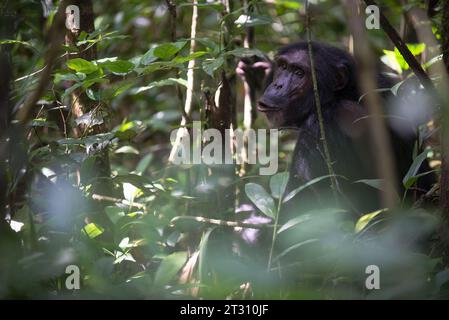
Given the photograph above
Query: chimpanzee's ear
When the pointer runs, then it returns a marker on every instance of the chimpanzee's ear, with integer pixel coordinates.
(341, 77)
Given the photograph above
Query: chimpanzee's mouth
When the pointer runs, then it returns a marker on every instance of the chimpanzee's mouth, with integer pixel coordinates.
(263, 107)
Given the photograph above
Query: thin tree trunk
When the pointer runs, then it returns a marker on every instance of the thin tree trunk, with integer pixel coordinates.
(190, 84)
(323, 140)
(444, 180)
(6, 32)
(367, 75)
(219, 116)
(56, 36)
(249, 95)
(9, 242)
(81, 104)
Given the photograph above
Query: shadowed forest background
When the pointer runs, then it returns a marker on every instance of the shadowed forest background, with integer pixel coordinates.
(86, 177)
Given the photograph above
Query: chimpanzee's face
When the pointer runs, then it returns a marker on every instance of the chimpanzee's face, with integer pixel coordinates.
(288, 100)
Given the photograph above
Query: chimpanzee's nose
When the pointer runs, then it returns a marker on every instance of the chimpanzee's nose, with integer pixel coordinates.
(278, 86)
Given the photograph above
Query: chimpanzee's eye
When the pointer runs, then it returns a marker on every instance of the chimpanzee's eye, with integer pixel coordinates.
(282, 65)
(299, 72)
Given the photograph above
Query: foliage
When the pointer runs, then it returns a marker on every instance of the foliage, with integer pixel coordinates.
(141, 76)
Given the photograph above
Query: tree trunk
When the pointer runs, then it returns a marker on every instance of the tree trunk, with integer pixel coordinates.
(6, 32)
(219, 117)
(9, 242)
(82, 104)
(444, 180)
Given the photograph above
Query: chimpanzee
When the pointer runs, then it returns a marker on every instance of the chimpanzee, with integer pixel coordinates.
(288, 101)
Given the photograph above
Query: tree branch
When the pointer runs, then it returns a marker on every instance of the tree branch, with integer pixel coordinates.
(56, 36)
(379, 134)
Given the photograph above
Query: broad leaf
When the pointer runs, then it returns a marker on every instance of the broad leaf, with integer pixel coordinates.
(81, 65)
(304, 186)
(374, 183)
(192, 56)
(211, 65)
(165, 82)
(167, 50)
(365, 219)
(296, 246)
(309, 216)
(410, 177)
(252, 20)
(118, 66)
(278, 183)
(257, 194)
(127, 149)
(169, 267)
(92, 230)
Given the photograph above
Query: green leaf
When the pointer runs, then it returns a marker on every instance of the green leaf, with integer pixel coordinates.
(257, 194)
(288, 4)
(295, 221)
(118, 66)
(165, 82)
(252, 20)
(414, 179)
(121, 88)
(16, 42)
(416, 48)
(390, 59)
(127, 149)
(135, 124)
(410, 176)
(93, 78)
(167, 50)
(278, 183)
(169, 267)
(148, 57)
(156, 66)
(374, 183)
(81, 65)
(69, 90)
(126, 135)
(296, 246)
(365, 219)
(396, 61)
(203, 261)
(308, 217)
(92, 230)
(192, 56)
(93, 95)
(210, 65)
(144, 163)
(304, 186)
(396, 87)
(65, 77)
(210, 44)
(115, 213)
